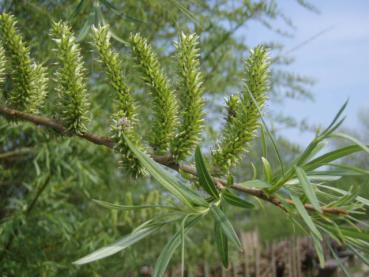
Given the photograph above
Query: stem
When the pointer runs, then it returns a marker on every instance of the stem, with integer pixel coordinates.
(15, 153)
(166, 160)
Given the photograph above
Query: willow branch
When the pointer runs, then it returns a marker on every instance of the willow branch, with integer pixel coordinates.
(166, 160)
(15, 153)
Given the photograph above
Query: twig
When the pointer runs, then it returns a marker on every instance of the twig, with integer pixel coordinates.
(15, 153)
(165, 160)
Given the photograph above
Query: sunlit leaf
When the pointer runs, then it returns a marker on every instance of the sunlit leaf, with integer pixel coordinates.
(308, 188)
(267, 170)
(120, 245)
(305, 216)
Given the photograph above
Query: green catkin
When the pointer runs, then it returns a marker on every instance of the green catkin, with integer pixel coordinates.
(125, 115)
(190, 95)
(29, 81)
(164, 102)
(243, 114)
(70, 80)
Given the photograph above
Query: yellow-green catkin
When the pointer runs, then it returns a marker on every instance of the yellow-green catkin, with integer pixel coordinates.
(243, 116)
(164, 102)
(29, 80)
(190, 96)
(124, 118)
(70, 80)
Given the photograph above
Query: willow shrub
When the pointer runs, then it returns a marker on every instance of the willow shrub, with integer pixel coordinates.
(304, 189)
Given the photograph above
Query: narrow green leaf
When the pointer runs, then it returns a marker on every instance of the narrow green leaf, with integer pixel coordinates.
(254, 171)
(168, 181)
(319, 251)
(183, 245)
(263, 142)
(335, 119)
(205, 179)
(222, 244)
(120, 245)
(331, 156)
(352, 139)
(349, 170)
(130, 207)
(339, 262)
(168, 250)
(343, 192)
(315, 178)
(308, 188)
(361, 256)
(236, 201)
(267, 170)
(258, 184)
(226, 226)
(305, 216)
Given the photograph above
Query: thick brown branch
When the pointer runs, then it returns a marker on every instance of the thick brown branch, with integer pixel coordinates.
(164, 160)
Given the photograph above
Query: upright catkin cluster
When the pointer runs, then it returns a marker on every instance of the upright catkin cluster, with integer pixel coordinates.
(190, 96)
(125, 111)
(29, 81)
(243, 112)
(70, 79)
(164, 102)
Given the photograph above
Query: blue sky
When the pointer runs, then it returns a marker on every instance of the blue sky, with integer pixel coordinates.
(338, 59)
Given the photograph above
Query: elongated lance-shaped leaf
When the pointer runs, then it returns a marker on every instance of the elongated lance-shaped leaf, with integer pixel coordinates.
(169, 249)
(221, 243)
(168, 181)
(237, 201)
(319, 251)
(2, 66)
(241, 128)
(344, 269)
(125, 120)
(267, 170)
(332, 156)
(131, 207)
(354, 140)
(226, 226)
(360, 255)
(70, 79)
(205, 180)
(308, 188)
(29, 79)
(120, 245)
(305, 216)
(190, 96)
(164, 102)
